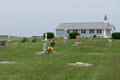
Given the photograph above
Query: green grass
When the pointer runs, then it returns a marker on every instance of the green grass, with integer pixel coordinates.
(53, 66)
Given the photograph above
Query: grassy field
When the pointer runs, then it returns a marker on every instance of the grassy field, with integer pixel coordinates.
(29, 66)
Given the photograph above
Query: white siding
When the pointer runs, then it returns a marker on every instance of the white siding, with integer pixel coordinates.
(61, 33)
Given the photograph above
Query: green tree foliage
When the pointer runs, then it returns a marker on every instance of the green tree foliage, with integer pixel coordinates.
(73, 35)
(50, 35)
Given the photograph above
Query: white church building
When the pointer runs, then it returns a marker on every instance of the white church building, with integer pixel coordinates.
(88, 29)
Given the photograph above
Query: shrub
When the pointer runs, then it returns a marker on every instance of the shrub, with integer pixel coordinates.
(24, 40)
(33, 40)
(116, 35)
(73, 35)
(50, 35)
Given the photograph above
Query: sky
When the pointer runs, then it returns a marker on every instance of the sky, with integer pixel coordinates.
(35, 17)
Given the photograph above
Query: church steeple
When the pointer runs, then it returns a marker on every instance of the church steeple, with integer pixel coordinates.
(105, 19)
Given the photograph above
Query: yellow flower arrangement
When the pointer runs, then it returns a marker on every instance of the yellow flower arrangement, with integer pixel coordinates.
(52, 42)
(49, 48)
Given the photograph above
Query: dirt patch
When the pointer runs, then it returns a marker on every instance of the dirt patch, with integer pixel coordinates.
(85, 64)
(11, 62)
(81, 48)
(74, 45)
(94, 53)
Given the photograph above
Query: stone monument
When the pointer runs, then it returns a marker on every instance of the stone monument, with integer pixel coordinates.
(44, 49)
(45, 38)
(77, 39)
(2, 44)
(65, 37)
(9, 39)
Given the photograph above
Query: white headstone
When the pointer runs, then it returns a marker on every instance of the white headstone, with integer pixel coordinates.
(44, 49)
(65, 36)
(45, 37)
(9, 39)
(65, 32)
(3, 62)
(79, 63)
(109, 40)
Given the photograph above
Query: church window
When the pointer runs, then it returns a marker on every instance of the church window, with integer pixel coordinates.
(91, 31)
(98, 31)
(68, 31)
(83, 31)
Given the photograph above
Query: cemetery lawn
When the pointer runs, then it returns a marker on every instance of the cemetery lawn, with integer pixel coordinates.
(26, 65)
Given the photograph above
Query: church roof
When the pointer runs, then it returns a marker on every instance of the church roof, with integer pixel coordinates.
(87, 25)
(110, 27)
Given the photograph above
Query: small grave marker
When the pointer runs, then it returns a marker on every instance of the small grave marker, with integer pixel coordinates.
(77, 39)
(80, 64)
(2, 44)
(4, 62)
(9, 39)
(65, 36)
(109, 40)
(15, 43)
(45, 38)
(44, 49)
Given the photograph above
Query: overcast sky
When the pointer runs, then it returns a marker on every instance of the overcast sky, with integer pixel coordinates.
(35, 17)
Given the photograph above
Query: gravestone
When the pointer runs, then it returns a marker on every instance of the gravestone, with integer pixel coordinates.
(79, 63)
(109, 40)
(89, 39)
(45, 38)
(9, 39)
(44, 49)
(2, 44)
(4, 62)
(15, 43)
(77, 39)
(65, 36)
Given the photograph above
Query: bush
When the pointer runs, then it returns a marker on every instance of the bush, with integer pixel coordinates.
(33, 40)
(50, 35)
(116, 35)
(73, 35)
(24, 40)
